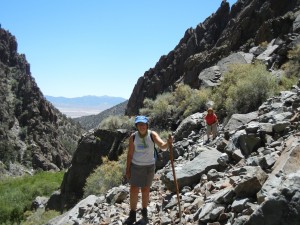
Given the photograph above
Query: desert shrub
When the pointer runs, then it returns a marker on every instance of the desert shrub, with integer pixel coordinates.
(23, 133)
(179, 104)
(160, 107)
(116, 122)
(111, 123)
(8, 152)
(108, 175)
(148, 107)
(128, 123)
(264, 44)
(182, 95)
(286, 83)
(69, 144)
(292, 68)
(164, 134)
(39, 217)
(244, 88)
(197, 101)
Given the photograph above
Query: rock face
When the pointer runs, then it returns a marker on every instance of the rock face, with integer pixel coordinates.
(33, 133)
(248, 23)
(87, 157)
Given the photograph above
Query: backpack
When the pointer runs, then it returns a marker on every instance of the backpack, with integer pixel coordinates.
(155, 149)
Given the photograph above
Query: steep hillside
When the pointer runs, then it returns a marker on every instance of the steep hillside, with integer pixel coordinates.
(92, 122)
(248, 23)
(33, 133)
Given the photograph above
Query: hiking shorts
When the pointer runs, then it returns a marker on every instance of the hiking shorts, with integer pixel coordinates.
(212, 129)
(141, 176)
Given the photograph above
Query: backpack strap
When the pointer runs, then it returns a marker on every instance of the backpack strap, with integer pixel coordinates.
(151, 135)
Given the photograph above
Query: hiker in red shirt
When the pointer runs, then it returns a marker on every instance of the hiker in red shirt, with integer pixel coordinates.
(212, 123)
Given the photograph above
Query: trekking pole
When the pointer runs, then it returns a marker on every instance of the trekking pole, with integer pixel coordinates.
(174, 176)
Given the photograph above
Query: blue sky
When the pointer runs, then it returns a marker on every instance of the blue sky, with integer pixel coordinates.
(98, 47)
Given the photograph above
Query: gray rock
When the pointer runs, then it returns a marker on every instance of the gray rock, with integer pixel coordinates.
(190, 173)
(188, 125)
(238, 120)
(251, 182)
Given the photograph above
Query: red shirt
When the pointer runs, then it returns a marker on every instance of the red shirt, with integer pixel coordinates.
(211, 119)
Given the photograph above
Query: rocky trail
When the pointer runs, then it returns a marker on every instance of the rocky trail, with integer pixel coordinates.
(248, 175)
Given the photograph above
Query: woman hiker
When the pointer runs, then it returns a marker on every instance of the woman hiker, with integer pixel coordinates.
(211, 124)
(140, 168)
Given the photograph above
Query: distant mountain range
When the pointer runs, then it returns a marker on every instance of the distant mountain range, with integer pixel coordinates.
(93, 121)
(85, 105)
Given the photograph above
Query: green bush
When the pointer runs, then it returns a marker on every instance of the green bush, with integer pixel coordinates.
(23, 133)
(292, 68)
(182, 95)
(68, 143)
(108, 175)
(160, 109)
(164, 134)
(286, 83)
(39, 217)
(8, 152)
(244, 88)
(179, 104)
(197, 101)
(17, 194)
(116, 122)
(148, 107)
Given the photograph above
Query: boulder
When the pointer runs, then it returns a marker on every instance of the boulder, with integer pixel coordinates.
(191, 172)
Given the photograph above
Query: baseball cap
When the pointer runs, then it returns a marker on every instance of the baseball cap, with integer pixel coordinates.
(141, 119)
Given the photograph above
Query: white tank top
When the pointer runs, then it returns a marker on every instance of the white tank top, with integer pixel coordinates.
(143, 150)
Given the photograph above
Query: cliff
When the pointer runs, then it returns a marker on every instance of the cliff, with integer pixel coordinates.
(246, 24)
(33, 133)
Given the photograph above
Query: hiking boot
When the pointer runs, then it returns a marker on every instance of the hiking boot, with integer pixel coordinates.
(145, 214)
(131, 219)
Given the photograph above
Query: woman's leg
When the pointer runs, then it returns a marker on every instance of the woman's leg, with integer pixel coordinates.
(134, 196)
(145, 202)
(208, 131)
(145, 196)
(214, 130)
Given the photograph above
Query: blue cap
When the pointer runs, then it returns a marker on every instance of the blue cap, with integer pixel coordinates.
(141, 119)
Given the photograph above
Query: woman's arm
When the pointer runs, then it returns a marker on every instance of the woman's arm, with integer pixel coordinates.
(160, 143)
(129, 156)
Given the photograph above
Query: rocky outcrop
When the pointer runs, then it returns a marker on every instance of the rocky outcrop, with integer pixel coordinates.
(33, 133)
(247, 24)
(88, 156)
